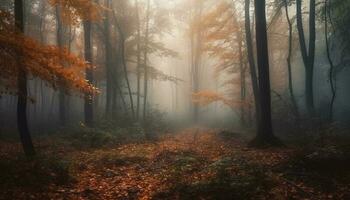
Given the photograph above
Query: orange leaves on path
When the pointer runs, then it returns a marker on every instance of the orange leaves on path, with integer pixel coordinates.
(197, 162)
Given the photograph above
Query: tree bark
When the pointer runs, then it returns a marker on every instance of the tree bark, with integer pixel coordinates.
(60, 43)
(196, 45)
(330, 60)
(110, 73)
(308, 55)
(22, 120)
(242, 81)
(145, 57)
(265, 135)
(289, 63)
(251, 60)
(242, 68)
(126, 76)
(138, 49)
(88, 105)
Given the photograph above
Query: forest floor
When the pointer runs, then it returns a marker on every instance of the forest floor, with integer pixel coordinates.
(195, 163)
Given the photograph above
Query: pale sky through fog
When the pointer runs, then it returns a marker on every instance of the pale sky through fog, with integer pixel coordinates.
(163, 95)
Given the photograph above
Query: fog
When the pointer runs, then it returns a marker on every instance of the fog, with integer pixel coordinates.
(174, 99)
(177, 21)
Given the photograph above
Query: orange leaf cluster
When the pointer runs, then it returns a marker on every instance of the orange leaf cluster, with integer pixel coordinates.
(72, 11)
(56, 66)
(221, 30)
(204, 98)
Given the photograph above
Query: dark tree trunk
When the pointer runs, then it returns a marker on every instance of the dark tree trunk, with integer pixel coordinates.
(311, 62)
(109, 72)
(114, 104)
(89, 114)
(327, 15)
(308, 54)
(60, 43)
(242, 81)
(251, 60)
(22, 121)
(289, 63)
(265, 134)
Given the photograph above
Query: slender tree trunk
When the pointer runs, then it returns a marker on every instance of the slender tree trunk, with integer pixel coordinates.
(242, 68)
(122, 52)
(242, 81)
(89, 114)
(265, 135)
(138, 49)
(197, 51)
(35, 105)
(119, 90)
(330, 60)
(42, 40)
(51, 111)
(251, 60)
(289, 63)
(60, 43)
(145, 56)
(22, 121)
(308, 55)
(114, 103)
(42, 111)
(311, 62)
(109, 72)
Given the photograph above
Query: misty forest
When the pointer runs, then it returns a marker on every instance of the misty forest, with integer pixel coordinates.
(175, 99)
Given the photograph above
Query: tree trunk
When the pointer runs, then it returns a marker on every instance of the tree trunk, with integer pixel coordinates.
(145, 63)
(242, 81)
(109, 72)
(138, 49)
(60, 43)
(251, 60)
(330, 60)
(289, 64)
(265, 135)
(89, 114)
(197, 51)
(22, 121)
(242, 68)
(123, 62)
(311, 62)
(308, 55)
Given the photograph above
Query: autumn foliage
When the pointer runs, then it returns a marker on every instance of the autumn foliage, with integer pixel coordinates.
(220, 39)
(48, 62)
(72, 11)
(204, 98)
